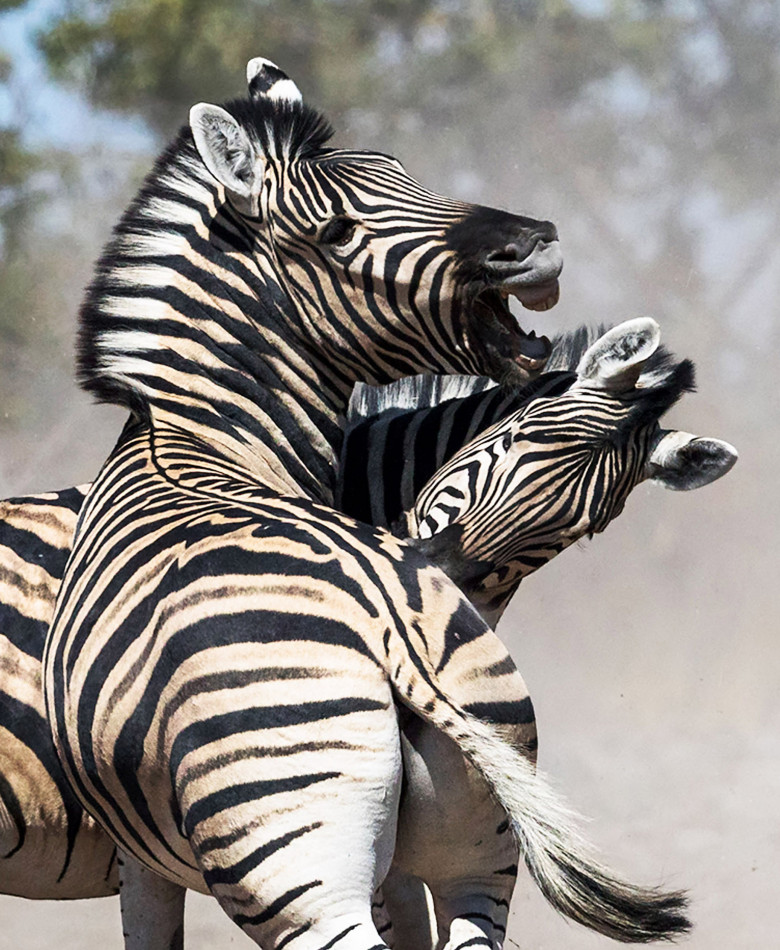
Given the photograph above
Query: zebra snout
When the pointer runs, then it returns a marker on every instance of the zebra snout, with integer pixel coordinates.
(521, 247)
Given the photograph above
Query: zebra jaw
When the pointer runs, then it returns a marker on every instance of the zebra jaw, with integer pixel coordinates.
(535, 285)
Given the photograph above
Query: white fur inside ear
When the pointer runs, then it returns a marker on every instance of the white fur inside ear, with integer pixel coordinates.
(615, 361)
(681, 461)
(228, 153)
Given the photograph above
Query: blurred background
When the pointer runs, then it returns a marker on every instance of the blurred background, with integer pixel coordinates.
(649, 131)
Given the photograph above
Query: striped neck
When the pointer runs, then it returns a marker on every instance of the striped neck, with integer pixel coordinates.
(259, 274)
(187, 324)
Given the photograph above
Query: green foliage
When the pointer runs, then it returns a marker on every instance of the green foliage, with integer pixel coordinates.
(156, 56)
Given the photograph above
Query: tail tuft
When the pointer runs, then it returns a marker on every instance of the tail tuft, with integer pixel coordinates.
(557, 856)
(592, 896)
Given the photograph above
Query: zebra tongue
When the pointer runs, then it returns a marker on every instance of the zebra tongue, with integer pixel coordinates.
(534, 350)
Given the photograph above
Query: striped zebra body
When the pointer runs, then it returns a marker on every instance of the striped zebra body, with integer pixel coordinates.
(257, 276)
(215, 778)
(49, 846)
(467, 797)
(37, 534)
(233, 318)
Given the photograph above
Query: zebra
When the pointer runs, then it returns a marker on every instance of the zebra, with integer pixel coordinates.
(50, 848)
(206, 552)
(259, 273)
(465, 517)
(501, 507)
(36, 534)
(68, 855)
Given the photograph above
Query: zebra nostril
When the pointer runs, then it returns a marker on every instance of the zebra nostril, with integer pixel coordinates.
(507, 256)
(523, 244)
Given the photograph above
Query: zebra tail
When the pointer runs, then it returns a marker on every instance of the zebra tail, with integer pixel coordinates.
(555, 853)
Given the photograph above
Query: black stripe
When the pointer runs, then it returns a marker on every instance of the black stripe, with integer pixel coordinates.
(233, 795)
(244, 920)
(234, 873)
(514, 712)
(257, 718)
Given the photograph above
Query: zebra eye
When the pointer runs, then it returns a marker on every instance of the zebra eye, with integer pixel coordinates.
(338, 232)
(506, 442)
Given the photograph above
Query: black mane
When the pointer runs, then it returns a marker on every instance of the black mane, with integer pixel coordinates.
(302, 131)
(291, 130)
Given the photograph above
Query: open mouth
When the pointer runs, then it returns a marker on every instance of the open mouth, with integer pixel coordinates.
(514, 354)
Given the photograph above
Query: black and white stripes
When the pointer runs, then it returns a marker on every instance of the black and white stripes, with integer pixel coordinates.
(227, 651)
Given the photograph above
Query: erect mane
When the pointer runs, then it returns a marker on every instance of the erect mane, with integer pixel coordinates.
(411, 392)
(290, 130)
(159, 224)
(662, 381)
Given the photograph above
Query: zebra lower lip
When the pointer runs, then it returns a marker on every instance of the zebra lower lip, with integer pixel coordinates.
(541, 297)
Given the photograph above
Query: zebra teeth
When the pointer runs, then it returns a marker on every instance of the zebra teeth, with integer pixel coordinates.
(530, 364)
(515, 354)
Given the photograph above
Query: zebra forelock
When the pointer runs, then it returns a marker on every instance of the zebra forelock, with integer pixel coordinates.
(657, 390)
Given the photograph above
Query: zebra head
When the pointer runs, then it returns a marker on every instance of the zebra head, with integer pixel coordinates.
(562, 467)
(384, 277)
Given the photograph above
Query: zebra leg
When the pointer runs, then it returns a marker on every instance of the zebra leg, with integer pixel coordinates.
(454, 836)
(152, 908)
(292, 818)
(469, 915)
(405, 911)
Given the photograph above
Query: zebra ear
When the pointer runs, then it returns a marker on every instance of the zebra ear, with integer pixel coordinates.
(681, 461)
(614, 362)
(229, 155)
(267, 81)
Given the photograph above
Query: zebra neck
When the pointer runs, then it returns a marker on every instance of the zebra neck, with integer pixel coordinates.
(187, 325)
(179, 461)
